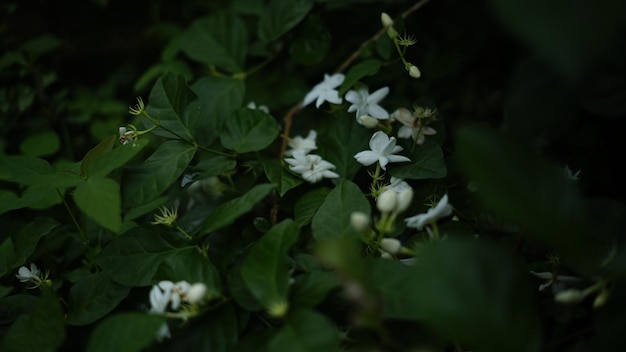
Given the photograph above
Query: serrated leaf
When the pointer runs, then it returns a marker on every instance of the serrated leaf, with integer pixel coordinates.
(219, 97)
(220, 40)
(332, 220)
(248, 130)
(264, 270)
(358, 71)
(280, 16)
(99, 198)
(93, 297)
(169, 100)
(125, 332)
(143, 183)
(427, 162)
(114, 159)
(228, 212)
(306, 207)
(281, 178)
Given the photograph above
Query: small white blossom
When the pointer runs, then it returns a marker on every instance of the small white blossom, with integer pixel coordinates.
(365, 103)
(441, 210)
(382, 151)
(252, 105)
(303, 145)
(25, 275)
(311, 167)
(404, 199)
(412, 126)
(325, 91)
(126, 135)
(558, 283)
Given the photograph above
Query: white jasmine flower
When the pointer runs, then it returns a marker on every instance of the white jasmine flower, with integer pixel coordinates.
(311, 167)
(325, 91)
(303, 145)
(441, 210)
(25, 275)
(382, 150)
(571, 176)
(126, 135)
(386, 20)
(412, 127)
(252, 105)
(397, 184)
(160, 296)
(558, 283)
(365, 104)
(179, 292)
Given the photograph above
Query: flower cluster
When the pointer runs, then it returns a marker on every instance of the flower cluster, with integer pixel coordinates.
(310, 167)
(167, 294)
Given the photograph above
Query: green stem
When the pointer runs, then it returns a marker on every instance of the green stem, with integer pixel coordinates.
(258, 67)
(180, 229)
(209, 150)
(67, 207)
(375, 179)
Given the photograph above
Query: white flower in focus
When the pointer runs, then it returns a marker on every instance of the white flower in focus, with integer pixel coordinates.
(558, 283)
(311, 167)
(412, 126)
(303, 145)
(441, 210)
(382, 150)
(365, 103)
(25, 275)
(126, 135)
(252, 105)
(325, 91)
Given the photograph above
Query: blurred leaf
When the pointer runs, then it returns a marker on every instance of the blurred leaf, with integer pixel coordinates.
(158, 70)
(114, 158)
(14, 306)
(308, 204)
(518, 185)
(42, 330)
(96, 152)
(228, 212)
(41, 44)
(142, 250)
(125, 332)
(219, 98)
(466, 290)
(34, 171)
(93, 297)
(282, 179)
(313, 42)
(358, 71)
(311, 288)
(15, 253)
(427, 162)
(332, 220)
(192, 267)
(215, 166)
(41, 144)
(220, 39)
(248, 130)
(99, 198)
(264, 269)
(306, 330)
(9, 201)
(145, 182)
(281, 16)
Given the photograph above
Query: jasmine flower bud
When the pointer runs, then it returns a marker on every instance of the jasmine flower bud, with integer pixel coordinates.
(278, 309)
(600, 299)
(359, 221)
(386, 20)
(390, 245)
(414, 72)
(571, 296)
(387, 201)
(196, 293)
(368, 121)
(404, 199)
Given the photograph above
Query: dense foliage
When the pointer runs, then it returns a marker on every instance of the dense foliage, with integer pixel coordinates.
(312, 175)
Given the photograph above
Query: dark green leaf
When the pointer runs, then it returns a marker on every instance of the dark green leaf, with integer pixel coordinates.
(215, 166)
(114, 158)
(305, 330)
(312, 287)
(11, 307)
(228, 212)
(94, 153)
(358, 71)
(282, 179)
(28, 238)
(93, 297)
(308, 204)
(426, 162)
(33, 171)
(281, 16)
(192, 267)
(41, 144)
(248, 130)
(332, 220)
(99, 198)
(313, 42)
(125, 332)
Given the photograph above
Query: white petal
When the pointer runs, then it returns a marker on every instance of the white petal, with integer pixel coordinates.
(378, 95)
(405, 132)
(353, 97)
(397, 158)
(310, 97)
(334, 80)
(379, 141)
(377, 111)
(366, 157)
(383, 161)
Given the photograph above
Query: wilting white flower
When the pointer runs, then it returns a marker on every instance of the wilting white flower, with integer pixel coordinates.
(557, 282)
(365, 103)
(412, 126)
(303, 145)
(252, 105)
(25, 275)
(325, 91)
(311, 167)
(441, 210)
(382, 150)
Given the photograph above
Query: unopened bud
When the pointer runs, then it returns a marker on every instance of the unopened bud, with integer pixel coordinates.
(387, 201)
(196, 293)
(601, 299)
(414, 72)
(404, 199)
(390, 245)
(386, 20)
(278, 309)
(367, 121)
(571, 296)
(359, 221)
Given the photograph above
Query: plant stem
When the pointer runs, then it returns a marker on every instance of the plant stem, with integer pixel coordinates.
(67, 207)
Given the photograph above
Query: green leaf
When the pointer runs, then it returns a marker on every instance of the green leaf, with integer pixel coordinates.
(215, 166)
(358, 71)
(94, 153)
(427, 162)
(306, 207)
(466, 290)
(125, 332)
(219, 98)
(143, 183)
(28, 238)
(114, 159)
(93, 297)
(332, 220)
(33, 171)
(99, 198)
(218, 40)
(41, 144)
(228, 212)
(313, 42)
(7, 256)
(306, 330)
(282, 179)
(9, 201)
(12, 307)
(311, 288)
(264, 270)
(142, 250)
(192, 267)
(169, 101)
(341, 140)
(42, 330)
(515, 183)
(281, 16)
(248, 130)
